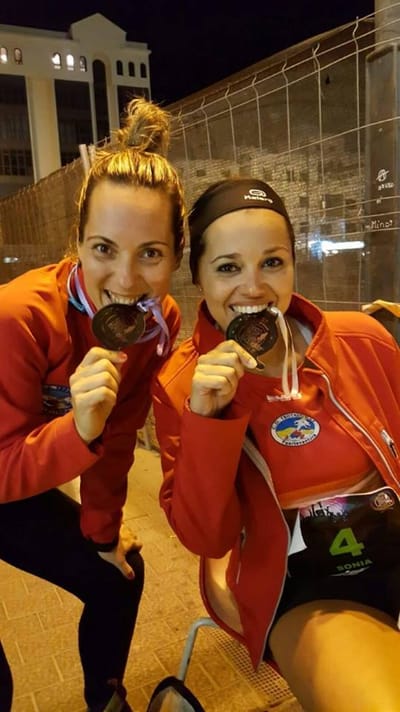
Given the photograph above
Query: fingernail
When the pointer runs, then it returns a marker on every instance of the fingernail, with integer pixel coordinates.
(122, 356)
(252, 362)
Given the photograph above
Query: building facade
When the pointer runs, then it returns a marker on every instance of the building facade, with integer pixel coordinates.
(58, 90)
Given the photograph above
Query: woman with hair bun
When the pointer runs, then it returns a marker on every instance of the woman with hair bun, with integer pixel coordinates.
(84, 338)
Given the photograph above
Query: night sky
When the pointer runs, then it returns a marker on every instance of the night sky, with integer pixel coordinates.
(196, 42)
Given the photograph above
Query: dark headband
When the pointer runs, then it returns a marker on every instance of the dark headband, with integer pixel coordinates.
(231, 195)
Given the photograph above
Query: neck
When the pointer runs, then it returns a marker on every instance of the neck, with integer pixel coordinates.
(274, 358)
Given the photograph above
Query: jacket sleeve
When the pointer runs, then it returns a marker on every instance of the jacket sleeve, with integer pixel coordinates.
(35, 454)
(200, 458)
(104, 485)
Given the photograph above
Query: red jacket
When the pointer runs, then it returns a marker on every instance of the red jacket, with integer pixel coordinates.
(43, 339)
(214, 495)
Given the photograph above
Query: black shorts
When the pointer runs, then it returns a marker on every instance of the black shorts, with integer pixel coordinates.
(375, 587)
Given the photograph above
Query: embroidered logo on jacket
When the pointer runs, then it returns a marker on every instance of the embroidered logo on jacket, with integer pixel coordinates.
(294, 429)
(56, 399)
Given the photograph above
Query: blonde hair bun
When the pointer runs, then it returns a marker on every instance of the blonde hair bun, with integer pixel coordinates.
(146, 127)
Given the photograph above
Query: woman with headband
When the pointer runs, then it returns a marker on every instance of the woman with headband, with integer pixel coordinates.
(84, 338)
(279, 430)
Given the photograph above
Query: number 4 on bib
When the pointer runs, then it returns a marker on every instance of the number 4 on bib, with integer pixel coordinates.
(346, 543)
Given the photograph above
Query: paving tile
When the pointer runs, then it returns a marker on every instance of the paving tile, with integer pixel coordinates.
(61, 697)
(68, 663)
(48, 642)
(33, 602)
(26, 703)
(19, 627)
(58, 614)
(34, 676)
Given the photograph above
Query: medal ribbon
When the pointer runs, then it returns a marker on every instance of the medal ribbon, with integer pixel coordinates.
(293, 392)
(151, 304)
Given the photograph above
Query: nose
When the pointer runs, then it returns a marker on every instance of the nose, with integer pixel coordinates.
(129, 278)
(254, 283)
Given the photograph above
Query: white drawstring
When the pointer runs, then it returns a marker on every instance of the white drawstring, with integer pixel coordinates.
(292, 393)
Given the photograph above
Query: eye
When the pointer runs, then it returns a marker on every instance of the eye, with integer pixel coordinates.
(273, 262)
(101, 248)
(152, 253)
(228, 267)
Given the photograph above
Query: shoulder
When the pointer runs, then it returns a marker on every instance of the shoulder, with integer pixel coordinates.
(357, 325)
(33, 287)
(35, 297)
(170, 307)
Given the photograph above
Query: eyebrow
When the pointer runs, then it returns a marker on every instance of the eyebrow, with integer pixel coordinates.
(149, 243)
(235, 255)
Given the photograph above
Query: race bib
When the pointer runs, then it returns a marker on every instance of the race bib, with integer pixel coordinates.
(346, 534)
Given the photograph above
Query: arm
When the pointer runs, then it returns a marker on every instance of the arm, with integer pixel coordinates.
(200, 453)
(35, 453)
(200, 458)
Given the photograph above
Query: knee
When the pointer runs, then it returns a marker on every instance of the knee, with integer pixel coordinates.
(110, 587)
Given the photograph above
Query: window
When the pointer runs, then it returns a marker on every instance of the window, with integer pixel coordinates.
(56, 59)
(131, 69)
(82, 64)
(143, 70)
(119, 67)
(70, 62)
(15, 163)
(3, 55)
(18, 55)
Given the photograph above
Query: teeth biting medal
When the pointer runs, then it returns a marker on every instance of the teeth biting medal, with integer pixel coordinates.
(118, 325)
(257, 333)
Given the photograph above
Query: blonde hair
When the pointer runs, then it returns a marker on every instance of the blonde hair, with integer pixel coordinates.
(136, 156)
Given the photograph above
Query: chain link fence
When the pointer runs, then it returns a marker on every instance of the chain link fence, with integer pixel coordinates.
(296, 120)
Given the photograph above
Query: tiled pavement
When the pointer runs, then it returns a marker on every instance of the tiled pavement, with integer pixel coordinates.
(38, 624)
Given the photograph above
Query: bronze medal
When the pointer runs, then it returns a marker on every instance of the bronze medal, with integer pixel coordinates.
(118, 325)
(257, 333)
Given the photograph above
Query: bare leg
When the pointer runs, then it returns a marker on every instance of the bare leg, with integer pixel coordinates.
(339, 656)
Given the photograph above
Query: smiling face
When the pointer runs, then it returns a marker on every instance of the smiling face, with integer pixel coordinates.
(127, 250)
(247, 264)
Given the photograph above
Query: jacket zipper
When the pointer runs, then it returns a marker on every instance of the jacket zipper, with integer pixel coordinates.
(385, 436)
(257, 460)
(390, 443)
(243, 537)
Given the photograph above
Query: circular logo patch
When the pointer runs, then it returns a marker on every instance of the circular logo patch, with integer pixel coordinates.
(382, 500)
(294, 429)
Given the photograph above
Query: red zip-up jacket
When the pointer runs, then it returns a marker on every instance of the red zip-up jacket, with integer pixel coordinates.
(43, 339)
(215, 496)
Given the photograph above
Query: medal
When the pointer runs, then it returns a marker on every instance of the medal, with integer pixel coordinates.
(257, 333)
(118, 325)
